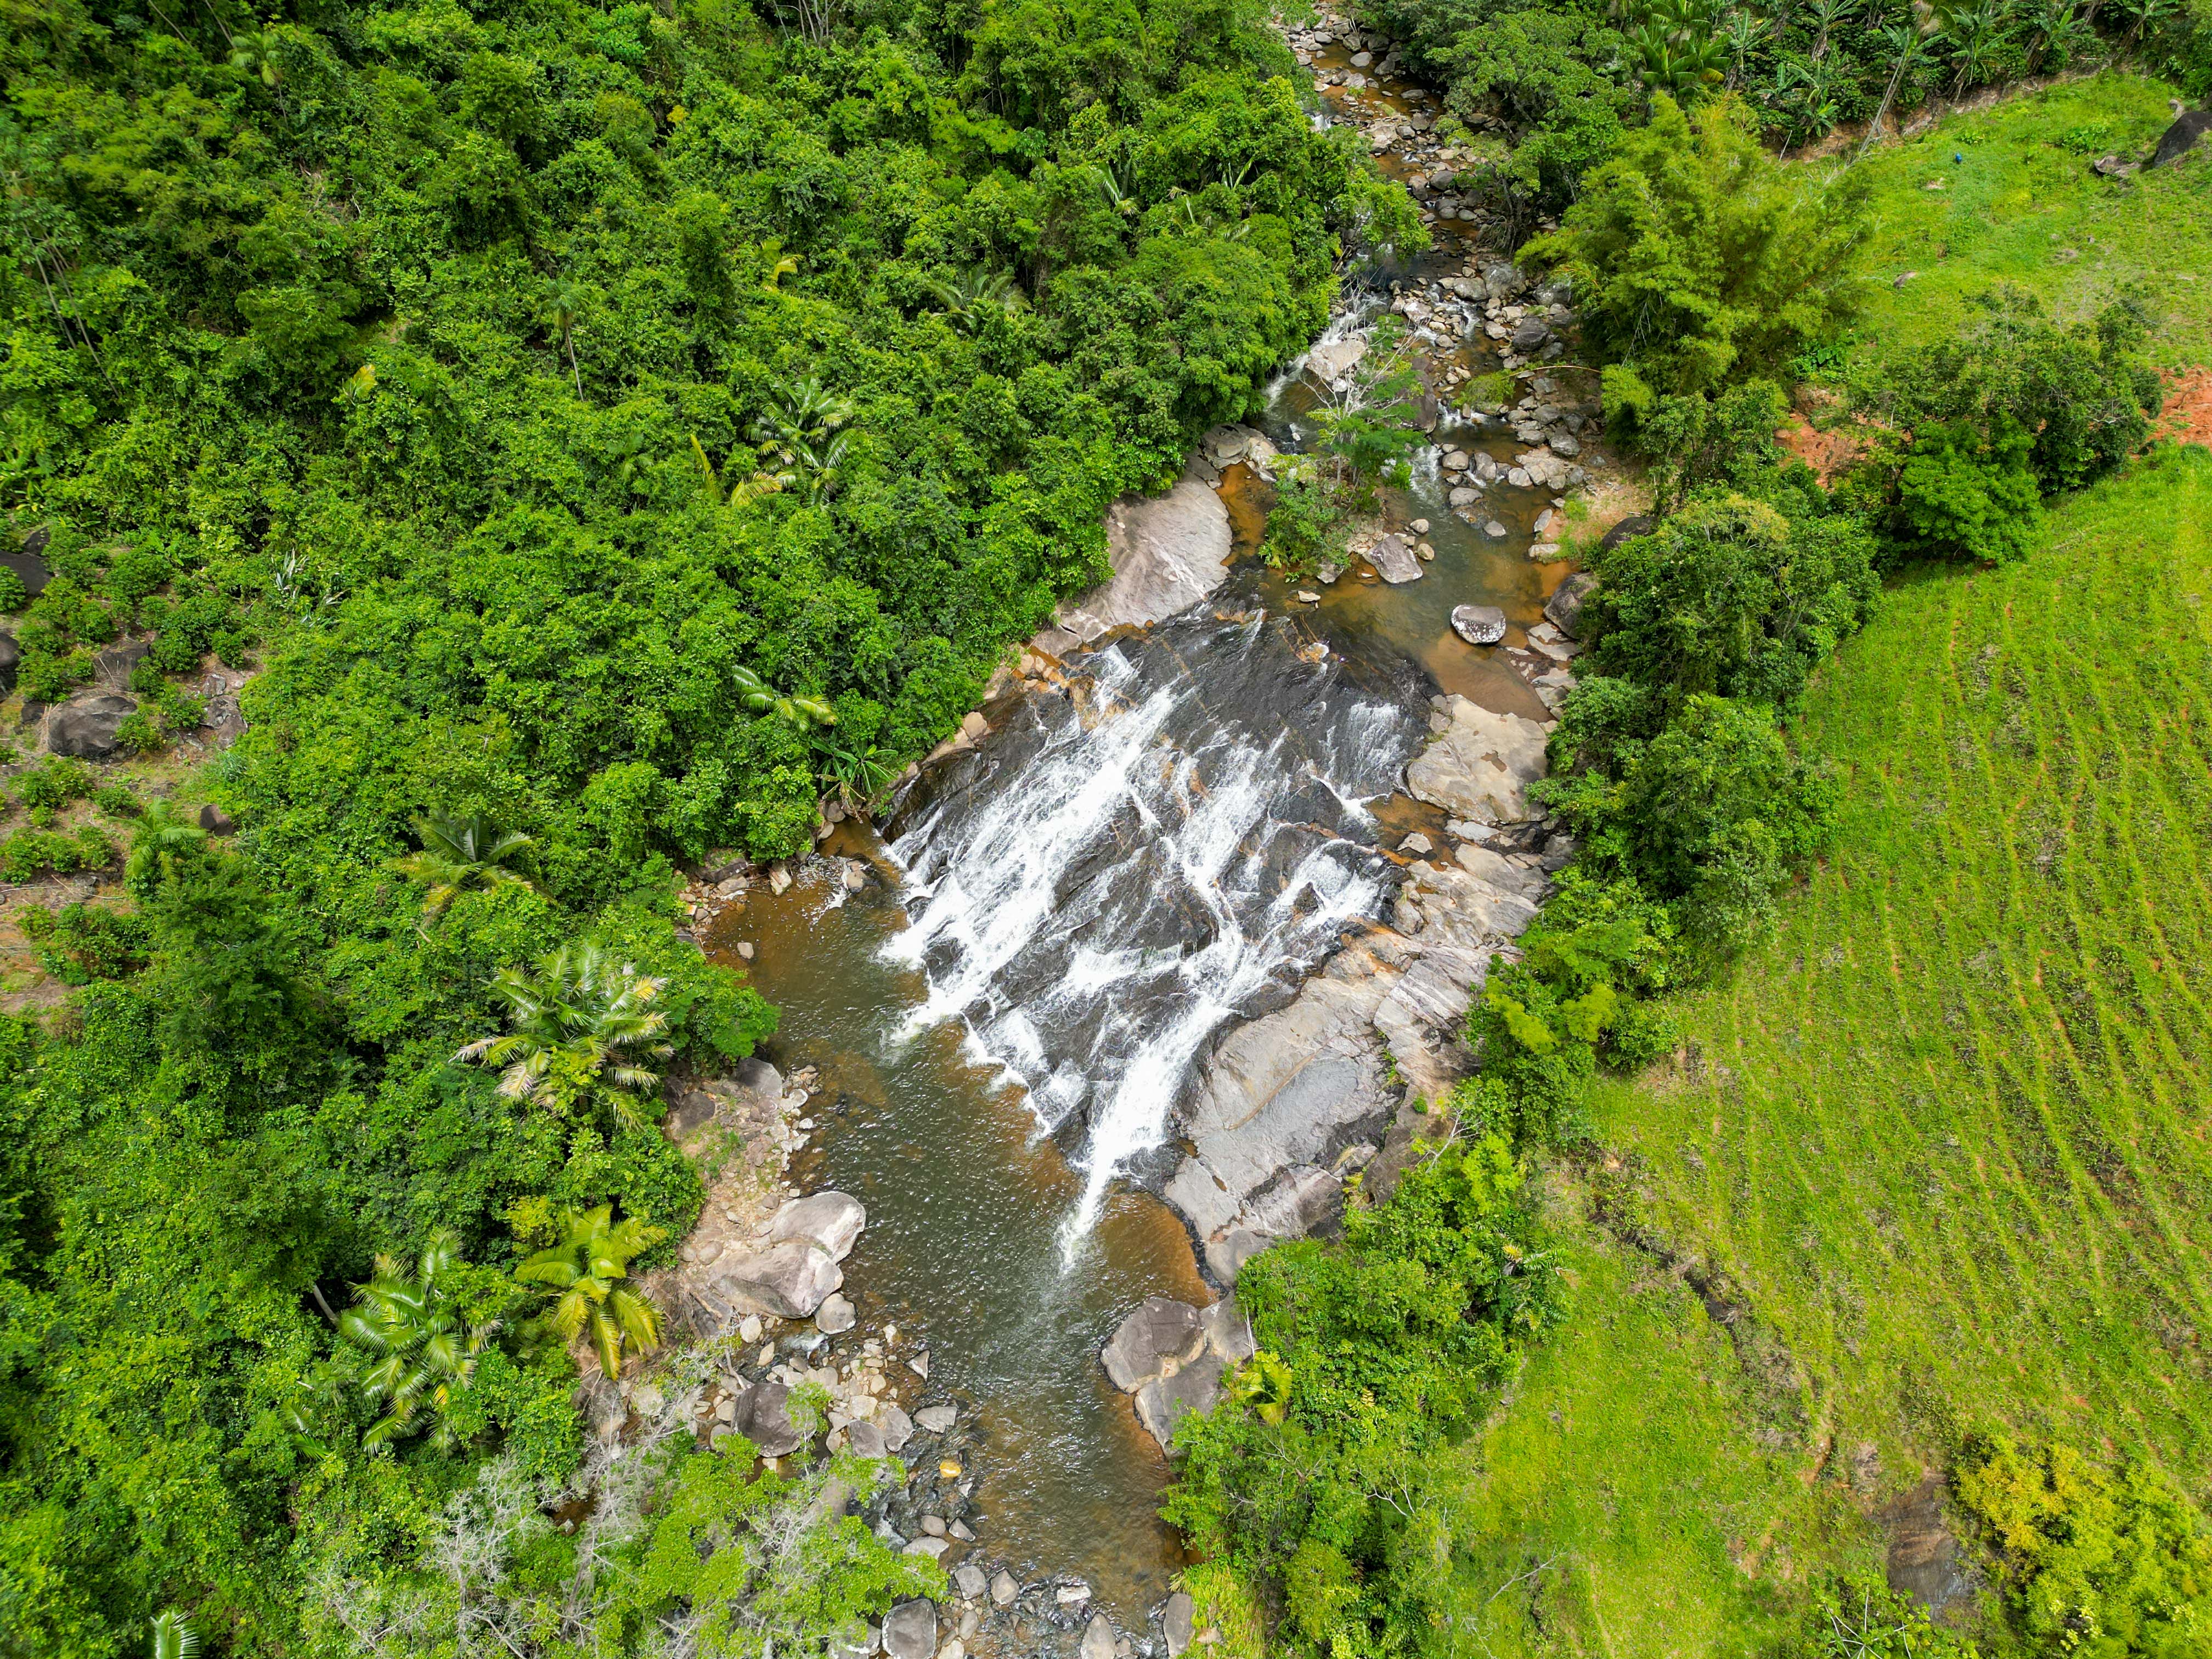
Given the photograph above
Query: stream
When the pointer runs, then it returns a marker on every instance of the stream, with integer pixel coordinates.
(1064, 919)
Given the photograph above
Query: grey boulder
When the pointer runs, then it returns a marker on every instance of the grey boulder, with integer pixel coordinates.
(763, 1417)
(1166, 1401)
(1479, 624)
(790, 1279)
(1160, 1337)
(897, 1426)
(1635, 524)
(2176, 142)
(1177, 1620)
(910, 1631)
(11, 657)
(1565, 608)
(85, 727)
(1394, 560)
(1529, 334)
(1097, 1638)
(831, 1220)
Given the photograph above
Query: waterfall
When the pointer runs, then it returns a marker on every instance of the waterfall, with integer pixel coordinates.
(1108, 879)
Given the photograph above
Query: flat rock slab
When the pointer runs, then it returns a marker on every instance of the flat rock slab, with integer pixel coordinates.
(1394, 560)
(1157, 1338)
(1479, 624)
(1480, 765)
(1168, 553)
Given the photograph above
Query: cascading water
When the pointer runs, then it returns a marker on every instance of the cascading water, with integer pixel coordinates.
(1185, 840)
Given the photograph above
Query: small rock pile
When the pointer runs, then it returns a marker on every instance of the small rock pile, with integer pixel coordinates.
(1173, 1357)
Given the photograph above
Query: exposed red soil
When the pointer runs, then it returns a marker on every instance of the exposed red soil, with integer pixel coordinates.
(2187, 417)
(1829, 454)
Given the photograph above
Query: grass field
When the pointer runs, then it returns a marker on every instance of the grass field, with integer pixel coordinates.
(2021, 205)
(1945, 1140)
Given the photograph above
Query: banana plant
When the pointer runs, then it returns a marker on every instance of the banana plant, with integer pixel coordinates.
(1907, 45)
(757, 697)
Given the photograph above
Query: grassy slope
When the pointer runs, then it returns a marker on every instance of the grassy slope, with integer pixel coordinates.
(2020, 208)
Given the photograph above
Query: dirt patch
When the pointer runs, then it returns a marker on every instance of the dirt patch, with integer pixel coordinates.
(1925, 1560)
(2187, 417)
(1829, 454)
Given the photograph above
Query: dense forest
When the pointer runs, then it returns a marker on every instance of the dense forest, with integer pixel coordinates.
(605, 430)
(607, 433)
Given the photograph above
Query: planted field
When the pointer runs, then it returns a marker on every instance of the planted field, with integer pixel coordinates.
(1942, 1144)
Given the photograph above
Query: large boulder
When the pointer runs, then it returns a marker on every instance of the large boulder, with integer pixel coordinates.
(1178, 1620)
(1168, 553)
(2178, 140)
(763, 1417)
(910, 1631)
(1332, 360)
(1565, 607)
(1480, 765)
(1158, 1340)
(1097, 1638)
(830, 1219)
(1635, 524)
(85, 727)
(1479, 624)
(1530, 334)
(789, 1280)
(1166, 1401)
(1394, 560)
(11, 657)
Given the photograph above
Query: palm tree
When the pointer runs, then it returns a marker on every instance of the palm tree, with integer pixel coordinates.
(739, 491)
(1908, 44)
(1979, 32)
(805, 412)
(253, 52)
(755, 695)
(1679, 67)
(562, 301)
(585, 1269)
(1119, 190)
(967, 298)
(163, 833)
(415, 1347)
(468, 854)
(173, 1638)
(582, 1026)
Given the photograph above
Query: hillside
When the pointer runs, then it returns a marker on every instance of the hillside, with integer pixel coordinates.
(1942, 1143)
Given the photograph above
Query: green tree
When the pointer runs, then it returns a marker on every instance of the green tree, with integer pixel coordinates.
(561, 301)
(1699, 260)
(585, 1270)
(583, 1024)
(465, 853)
(417, 1349)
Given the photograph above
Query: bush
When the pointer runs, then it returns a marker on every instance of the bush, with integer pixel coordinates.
(1697, 261)
(85, 942)
(2099, 1565)
(1960, 495)
(1306, 527)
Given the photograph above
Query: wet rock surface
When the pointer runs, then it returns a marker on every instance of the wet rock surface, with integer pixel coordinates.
(1168, 552)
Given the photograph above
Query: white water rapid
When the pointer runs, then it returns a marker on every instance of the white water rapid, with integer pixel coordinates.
(1099, 887)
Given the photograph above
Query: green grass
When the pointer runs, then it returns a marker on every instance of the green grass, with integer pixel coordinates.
(1945, 1138)
(2020, 207)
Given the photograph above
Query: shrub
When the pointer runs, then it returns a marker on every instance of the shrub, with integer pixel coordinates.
(2099, 1565)
(1305, 525)
(14, 596)
(85, 942)
(1698, 261)
(59, 781)
(1962, 495)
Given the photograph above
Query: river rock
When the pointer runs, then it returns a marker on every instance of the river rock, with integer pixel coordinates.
(763, 1417)
(1463, 495)
(1160, 1337)
(1003, 1590)
(897, 1426)
(1479, 624)
(1097, 1638)
(832, 1221)
(866, 1439)
(836, 1316)
(968, 1578)
(1394, 560)
(1224, 447)
(1529, 335)
(1166, 1401)
(789, 1280)
(85, 727)
(1168, 552)
(1332, 360)
(910, 1631)
(1178, 1617)
(1565, 607)
(936, 1419)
